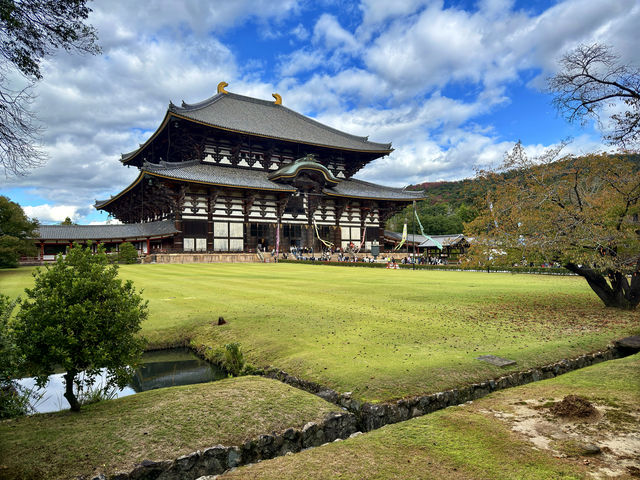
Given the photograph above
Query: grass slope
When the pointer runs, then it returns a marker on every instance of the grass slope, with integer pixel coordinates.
(380, 334)
(464, 442)
(156, 425)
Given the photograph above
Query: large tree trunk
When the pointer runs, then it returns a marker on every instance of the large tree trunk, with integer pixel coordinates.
(68, 391)
(618, 292)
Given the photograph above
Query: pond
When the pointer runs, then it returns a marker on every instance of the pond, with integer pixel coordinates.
(162, 368)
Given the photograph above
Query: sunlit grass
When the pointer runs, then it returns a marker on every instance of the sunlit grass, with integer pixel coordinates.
(157, 425)
(465, 442)
(378, 333)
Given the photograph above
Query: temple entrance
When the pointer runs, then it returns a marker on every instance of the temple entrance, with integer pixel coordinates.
(292, 236)
(261, 235)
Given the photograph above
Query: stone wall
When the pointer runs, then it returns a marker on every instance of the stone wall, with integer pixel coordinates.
(202, 258)
(359, 417)
(375, 415)
(217, 459)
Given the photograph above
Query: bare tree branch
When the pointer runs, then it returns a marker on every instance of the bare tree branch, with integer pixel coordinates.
(31, 30)
(592, 78)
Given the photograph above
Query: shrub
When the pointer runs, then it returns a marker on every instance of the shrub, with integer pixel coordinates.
(14, 399)
(230, 358)
(127, 253)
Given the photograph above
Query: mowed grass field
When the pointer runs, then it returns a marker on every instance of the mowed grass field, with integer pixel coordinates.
(381, 334)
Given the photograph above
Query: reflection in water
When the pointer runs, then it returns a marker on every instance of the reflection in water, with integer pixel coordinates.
(164, 368)
(170, 368)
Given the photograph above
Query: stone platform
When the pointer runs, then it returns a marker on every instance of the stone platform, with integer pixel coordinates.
(204, 258)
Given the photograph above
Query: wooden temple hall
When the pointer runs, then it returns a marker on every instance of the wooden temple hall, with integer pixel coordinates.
(234, 173)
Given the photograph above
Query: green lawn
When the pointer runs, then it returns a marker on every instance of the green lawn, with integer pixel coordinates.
(467, 442)
(157, 425)
(378, 333)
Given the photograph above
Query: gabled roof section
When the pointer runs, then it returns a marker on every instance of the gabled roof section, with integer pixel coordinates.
(106, 232)
(265, 118)
(445, 240)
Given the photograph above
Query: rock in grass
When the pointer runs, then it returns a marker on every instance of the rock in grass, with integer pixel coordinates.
(589, 449)
(629, 344)
(497, 361)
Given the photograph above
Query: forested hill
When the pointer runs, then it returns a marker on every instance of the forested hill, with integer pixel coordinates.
(450, 204)
(447, 206)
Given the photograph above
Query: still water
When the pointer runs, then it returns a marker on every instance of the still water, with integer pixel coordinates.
(164, 368)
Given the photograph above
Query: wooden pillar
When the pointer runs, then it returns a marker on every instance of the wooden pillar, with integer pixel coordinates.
(309, 235)
(271, 238)
(364, 212)
(212, 197)
(41, 251)
(336, 238)
(178, 206)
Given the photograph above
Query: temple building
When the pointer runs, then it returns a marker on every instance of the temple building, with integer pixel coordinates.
(235, 174)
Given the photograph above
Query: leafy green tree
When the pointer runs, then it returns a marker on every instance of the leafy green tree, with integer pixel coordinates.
(81, 317)
(11, 401)
(127, 253)
(67, 221)
(16, 233)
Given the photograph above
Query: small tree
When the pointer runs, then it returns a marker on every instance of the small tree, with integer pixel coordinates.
(579, 212)
(16, 233)
(81, 317)
(127, 253)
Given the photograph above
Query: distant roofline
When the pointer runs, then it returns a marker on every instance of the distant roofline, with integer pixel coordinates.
(102, 232)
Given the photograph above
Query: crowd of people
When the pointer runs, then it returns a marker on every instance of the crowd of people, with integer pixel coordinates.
(350, 254)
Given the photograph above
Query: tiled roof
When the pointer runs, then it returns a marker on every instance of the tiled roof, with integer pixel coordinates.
(224, 176)
(445, 240)
(106, 232)
(360, 189)
(396, 237)
(264, 118)
(215, 174)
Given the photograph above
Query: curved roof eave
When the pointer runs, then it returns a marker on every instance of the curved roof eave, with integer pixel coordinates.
(297, 166)
(357, 197)
(127, 157)
(101, 204)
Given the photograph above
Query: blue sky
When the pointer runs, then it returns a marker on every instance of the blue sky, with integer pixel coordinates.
(453, 85)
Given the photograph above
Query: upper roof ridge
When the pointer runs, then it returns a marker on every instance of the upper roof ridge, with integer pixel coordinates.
(190, 107)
